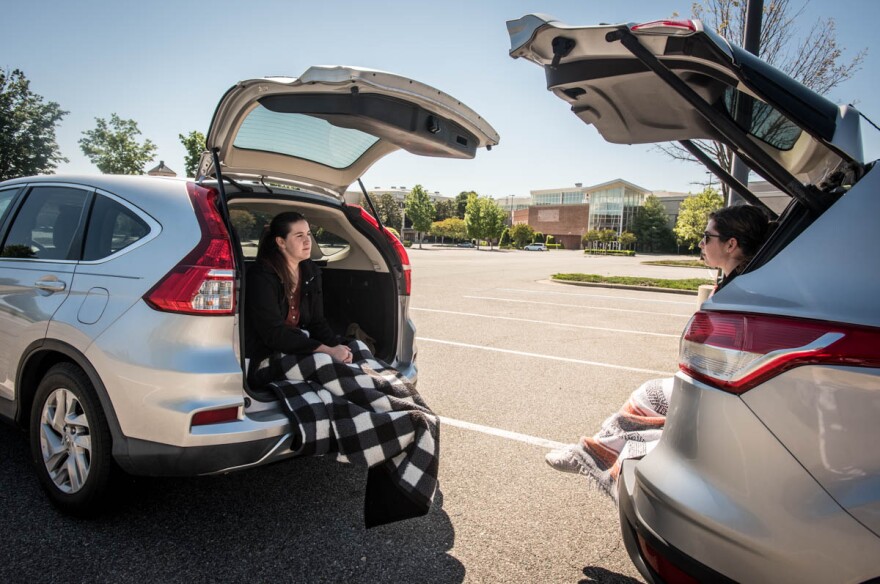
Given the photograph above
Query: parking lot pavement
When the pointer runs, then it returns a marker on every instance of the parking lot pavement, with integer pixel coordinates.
(512, 363)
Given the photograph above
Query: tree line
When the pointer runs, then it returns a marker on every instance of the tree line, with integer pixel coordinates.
(28, 145)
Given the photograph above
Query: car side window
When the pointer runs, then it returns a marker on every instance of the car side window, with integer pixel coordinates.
(6, 197)
(46, 225)
(112, 227)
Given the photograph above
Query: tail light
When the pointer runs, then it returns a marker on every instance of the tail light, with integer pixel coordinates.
(666, 27)
(664, 568)
(735, 352)
(204, 281)
(398, 249)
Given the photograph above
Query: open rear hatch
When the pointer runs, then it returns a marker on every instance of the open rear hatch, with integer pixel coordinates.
(676, 81)
(323, 130)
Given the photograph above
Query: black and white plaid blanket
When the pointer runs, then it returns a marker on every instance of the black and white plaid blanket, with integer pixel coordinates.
(366, 413)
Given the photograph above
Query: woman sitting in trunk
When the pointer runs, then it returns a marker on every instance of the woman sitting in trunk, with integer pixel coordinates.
(339, 398)
(733, 236)
(285, 306)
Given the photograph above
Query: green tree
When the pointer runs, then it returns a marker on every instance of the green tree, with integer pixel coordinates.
(194, 144)
(445, 209)
(114, 148)
(461, 203)
(627, 239)
(522, 234)
(504, 242)
(811, 56)
(453, 227)
(492, 218)
(472, 219)
(420, 210)
(539, 237)
(245, 225)
(651, 226)
(27, 129)
(590, 238)
(606, 236)
(694, 214)
(389, 210)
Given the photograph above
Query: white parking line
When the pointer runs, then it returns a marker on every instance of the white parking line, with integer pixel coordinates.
(550, 357)
(543, 442)
(547, 322)
(639, 299)
(580, 306)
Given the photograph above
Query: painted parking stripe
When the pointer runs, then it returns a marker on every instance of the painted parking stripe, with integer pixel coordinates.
(638, 299)
(539, 356)
(580, 306)
(543, 442)
(547, 322)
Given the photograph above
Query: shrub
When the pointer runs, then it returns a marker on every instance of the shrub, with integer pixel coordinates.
(617, 252)
(407, 243)
(554, 246)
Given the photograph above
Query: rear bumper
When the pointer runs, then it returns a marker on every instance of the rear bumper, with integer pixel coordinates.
(656, 560)
(141, 457)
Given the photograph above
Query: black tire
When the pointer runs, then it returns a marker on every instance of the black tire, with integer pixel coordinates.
(70, 440)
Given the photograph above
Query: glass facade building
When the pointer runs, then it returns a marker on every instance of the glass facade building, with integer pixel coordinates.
(615, 207)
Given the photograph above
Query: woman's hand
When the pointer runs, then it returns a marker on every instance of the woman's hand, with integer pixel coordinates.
(339, 352)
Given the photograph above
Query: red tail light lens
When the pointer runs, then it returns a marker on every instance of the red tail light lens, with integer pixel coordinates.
(204, 281)
(735, 352)
(666, 27)
(398, 249)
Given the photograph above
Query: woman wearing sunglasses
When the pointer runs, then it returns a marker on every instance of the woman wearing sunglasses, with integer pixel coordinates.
(732, 238)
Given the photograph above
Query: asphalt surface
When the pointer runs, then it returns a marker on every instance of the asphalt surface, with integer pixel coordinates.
(513, 363)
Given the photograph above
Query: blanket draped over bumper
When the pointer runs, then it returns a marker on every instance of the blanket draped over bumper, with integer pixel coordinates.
(366, 413)
(632, 432)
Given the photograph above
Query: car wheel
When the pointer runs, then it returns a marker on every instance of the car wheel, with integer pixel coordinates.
(70, 441)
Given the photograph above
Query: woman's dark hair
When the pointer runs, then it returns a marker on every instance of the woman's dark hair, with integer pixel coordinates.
(268, 252)
(749, 225)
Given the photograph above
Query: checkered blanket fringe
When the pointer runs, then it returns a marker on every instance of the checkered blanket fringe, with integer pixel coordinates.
(631, 432)
(365, 413)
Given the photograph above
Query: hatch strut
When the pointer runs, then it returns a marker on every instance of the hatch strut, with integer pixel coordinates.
(775, 172)
(370, 203)
(239, 262)
(726, 177)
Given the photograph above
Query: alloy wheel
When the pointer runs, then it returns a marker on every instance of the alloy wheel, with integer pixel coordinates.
(65, 440)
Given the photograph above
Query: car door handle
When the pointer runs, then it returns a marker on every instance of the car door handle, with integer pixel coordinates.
(50, 285)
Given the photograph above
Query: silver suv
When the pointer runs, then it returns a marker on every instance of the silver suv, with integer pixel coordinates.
(121, 342)
(768, 469)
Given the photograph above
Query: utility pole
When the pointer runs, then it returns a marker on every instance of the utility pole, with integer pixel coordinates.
(743, 114)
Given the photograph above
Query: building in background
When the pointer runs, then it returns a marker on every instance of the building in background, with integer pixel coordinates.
(161, 170)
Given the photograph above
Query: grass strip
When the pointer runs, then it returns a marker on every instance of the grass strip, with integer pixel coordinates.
(686, 284)
(678, 263)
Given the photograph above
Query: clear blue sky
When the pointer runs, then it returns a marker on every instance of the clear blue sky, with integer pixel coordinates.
(166, 64)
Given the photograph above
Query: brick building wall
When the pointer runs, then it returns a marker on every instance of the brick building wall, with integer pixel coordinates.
(566, 223)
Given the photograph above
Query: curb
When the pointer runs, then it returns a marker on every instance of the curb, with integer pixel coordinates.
(625, 287)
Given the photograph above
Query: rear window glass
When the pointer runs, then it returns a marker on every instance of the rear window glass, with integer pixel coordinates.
(767, 125)
(302, 136)
(249, 225)
(112, 227)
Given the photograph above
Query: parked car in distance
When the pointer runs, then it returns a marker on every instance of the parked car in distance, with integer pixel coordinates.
(122, 345)
(466, 244)
(535, 247)
(766, 470)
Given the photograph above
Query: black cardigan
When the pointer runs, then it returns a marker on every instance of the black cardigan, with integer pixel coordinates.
(266, 309)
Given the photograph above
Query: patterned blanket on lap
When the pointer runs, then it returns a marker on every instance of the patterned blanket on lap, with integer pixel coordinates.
(365, 413)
